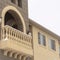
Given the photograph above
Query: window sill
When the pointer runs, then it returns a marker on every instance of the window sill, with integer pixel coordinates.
(52, 51)
(42, 46)
(49, 49)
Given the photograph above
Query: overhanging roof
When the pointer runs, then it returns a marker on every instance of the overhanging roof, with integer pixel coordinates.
(44, 29)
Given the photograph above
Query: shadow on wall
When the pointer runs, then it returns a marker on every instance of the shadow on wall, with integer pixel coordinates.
(2, 57)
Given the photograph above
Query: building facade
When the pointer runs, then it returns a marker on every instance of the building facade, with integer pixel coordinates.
(22, 38)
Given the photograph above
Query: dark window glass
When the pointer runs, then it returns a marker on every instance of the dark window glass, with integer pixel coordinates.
(52, 44)
(13, 1)
(41, 39)
(20, 3)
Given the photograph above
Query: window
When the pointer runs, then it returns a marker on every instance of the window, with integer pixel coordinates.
(52, 44)
(20, 3)
(41, 39)
(13, 1)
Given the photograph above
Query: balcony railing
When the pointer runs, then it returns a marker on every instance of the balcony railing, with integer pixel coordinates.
(11, 33)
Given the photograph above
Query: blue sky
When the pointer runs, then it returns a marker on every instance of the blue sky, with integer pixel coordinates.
(46, 13)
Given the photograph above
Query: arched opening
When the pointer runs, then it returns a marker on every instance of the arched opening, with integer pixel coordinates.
(8, 53)
(28, 58)
(12, 19)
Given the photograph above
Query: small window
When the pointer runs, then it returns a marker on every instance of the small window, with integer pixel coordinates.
(41, 39)
(20, 3)
(13, 1)
(52, 44)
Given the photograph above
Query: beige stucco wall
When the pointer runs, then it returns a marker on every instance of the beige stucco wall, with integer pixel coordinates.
(44, 52)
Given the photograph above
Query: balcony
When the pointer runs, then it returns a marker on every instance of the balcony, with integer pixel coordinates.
(14, 39)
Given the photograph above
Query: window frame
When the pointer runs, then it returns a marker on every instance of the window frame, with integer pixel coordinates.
(52, 44)
(20, 3)
(13, 1)
(41, 39)
(59, 49)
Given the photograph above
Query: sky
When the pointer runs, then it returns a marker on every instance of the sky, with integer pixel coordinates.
(46, 13)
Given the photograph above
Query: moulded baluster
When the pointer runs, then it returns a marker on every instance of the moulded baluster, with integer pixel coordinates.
(29, 40)
(22, 36)
(16, 35)
(13, 33)
(19, 37)
(6, 31)
(2, 33)
(9, 33)
(25, 38)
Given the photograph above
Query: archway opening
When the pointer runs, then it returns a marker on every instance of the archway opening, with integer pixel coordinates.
(28, 58)
(12, 19)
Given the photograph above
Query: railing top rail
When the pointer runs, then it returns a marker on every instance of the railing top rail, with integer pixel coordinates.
(16, 31)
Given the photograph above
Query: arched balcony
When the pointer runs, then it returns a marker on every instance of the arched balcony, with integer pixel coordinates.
(13, 31)
(12, 19)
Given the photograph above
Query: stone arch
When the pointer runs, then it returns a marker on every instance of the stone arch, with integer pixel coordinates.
(6, 52)
(28, 58)
(11, 8)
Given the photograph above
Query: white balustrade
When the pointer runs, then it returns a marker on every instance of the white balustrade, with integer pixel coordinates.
(14, 34)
